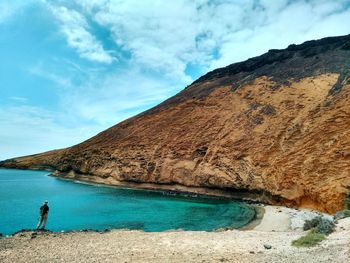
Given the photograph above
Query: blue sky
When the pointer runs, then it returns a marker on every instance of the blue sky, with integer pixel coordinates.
(72, 68)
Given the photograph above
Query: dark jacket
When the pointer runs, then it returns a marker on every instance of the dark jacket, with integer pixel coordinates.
(44, 209)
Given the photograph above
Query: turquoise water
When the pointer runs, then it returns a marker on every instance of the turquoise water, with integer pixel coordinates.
(76, 206)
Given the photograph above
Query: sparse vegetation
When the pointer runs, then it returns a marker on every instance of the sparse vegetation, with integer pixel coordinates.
(325, 226)
(311, 239)
(320, 224)
(309, 224)
(319, 227)
(342, 214)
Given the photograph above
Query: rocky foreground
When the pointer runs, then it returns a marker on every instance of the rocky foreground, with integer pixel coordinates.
(136, 246)
(275, 127)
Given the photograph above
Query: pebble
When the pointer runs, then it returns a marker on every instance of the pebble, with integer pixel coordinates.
(266, 246)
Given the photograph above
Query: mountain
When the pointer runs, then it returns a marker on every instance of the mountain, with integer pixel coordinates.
(275, 128)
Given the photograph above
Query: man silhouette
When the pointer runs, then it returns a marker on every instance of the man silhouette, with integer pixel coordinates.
(44, 212)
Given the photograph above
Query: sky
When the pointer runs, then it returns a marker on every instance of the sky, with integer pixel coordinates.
(72, 68)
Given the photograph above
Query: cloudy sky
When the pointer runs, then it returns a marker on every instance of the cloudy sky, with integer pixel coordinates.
(72, 68)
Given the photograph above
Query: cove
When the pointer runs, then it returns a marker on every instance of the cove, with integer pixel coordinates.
(76, 206)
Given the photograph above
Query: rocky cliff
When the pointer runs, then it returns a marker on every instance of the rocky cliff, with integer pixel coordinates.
(277, 125)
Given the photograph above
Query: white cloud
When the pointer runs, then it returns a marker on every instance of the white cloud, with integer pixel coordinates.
(167, 36)
(60, 81)
(28, 130)
(109, 99)
(76, 29)
(284, 23)
(10, 8)
(159, 35)
(103, 97)
(100, 102)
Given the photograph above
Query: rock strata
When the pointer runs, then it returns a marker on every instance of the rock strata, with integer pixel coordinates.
(277, 126)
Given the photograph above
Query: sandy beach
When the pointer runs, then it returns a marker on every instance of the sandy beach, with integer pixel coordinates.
(278, 227)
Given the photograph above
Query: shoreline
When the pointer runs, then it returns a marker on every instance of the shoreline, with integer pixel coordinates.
(172, 188)
(259, 216)
(252, 219)
(267, 219)
(244, 195)
(267, 238)
(250, 197)
(263, 213)
(175, 246)
(258, 208)
(292, 218)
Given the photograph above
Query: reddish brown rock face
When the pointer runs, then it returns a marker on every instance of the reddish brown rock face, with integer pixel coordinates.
(278, 124)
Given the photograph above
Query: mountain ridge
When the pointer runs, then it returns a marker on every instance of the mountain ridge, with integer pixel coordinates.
(275, 126)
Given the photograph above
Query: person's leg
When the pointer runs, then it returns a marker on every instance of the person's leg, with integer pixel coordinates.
(40, 222)
(44, 221)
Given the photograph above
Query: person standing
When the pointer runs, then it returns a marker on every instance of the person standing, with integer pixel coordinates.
(44, 212)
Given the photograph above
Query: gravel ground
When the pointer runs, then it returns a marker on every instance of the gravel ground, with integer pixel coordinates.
(181, 246)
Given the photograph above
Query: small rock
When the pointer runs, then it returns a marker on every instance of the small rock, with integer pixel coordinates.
(251, 252)
(266, 246)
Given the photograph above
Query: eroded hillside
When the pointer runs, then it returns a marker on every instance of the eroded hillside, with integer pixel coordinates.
(277, 125)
